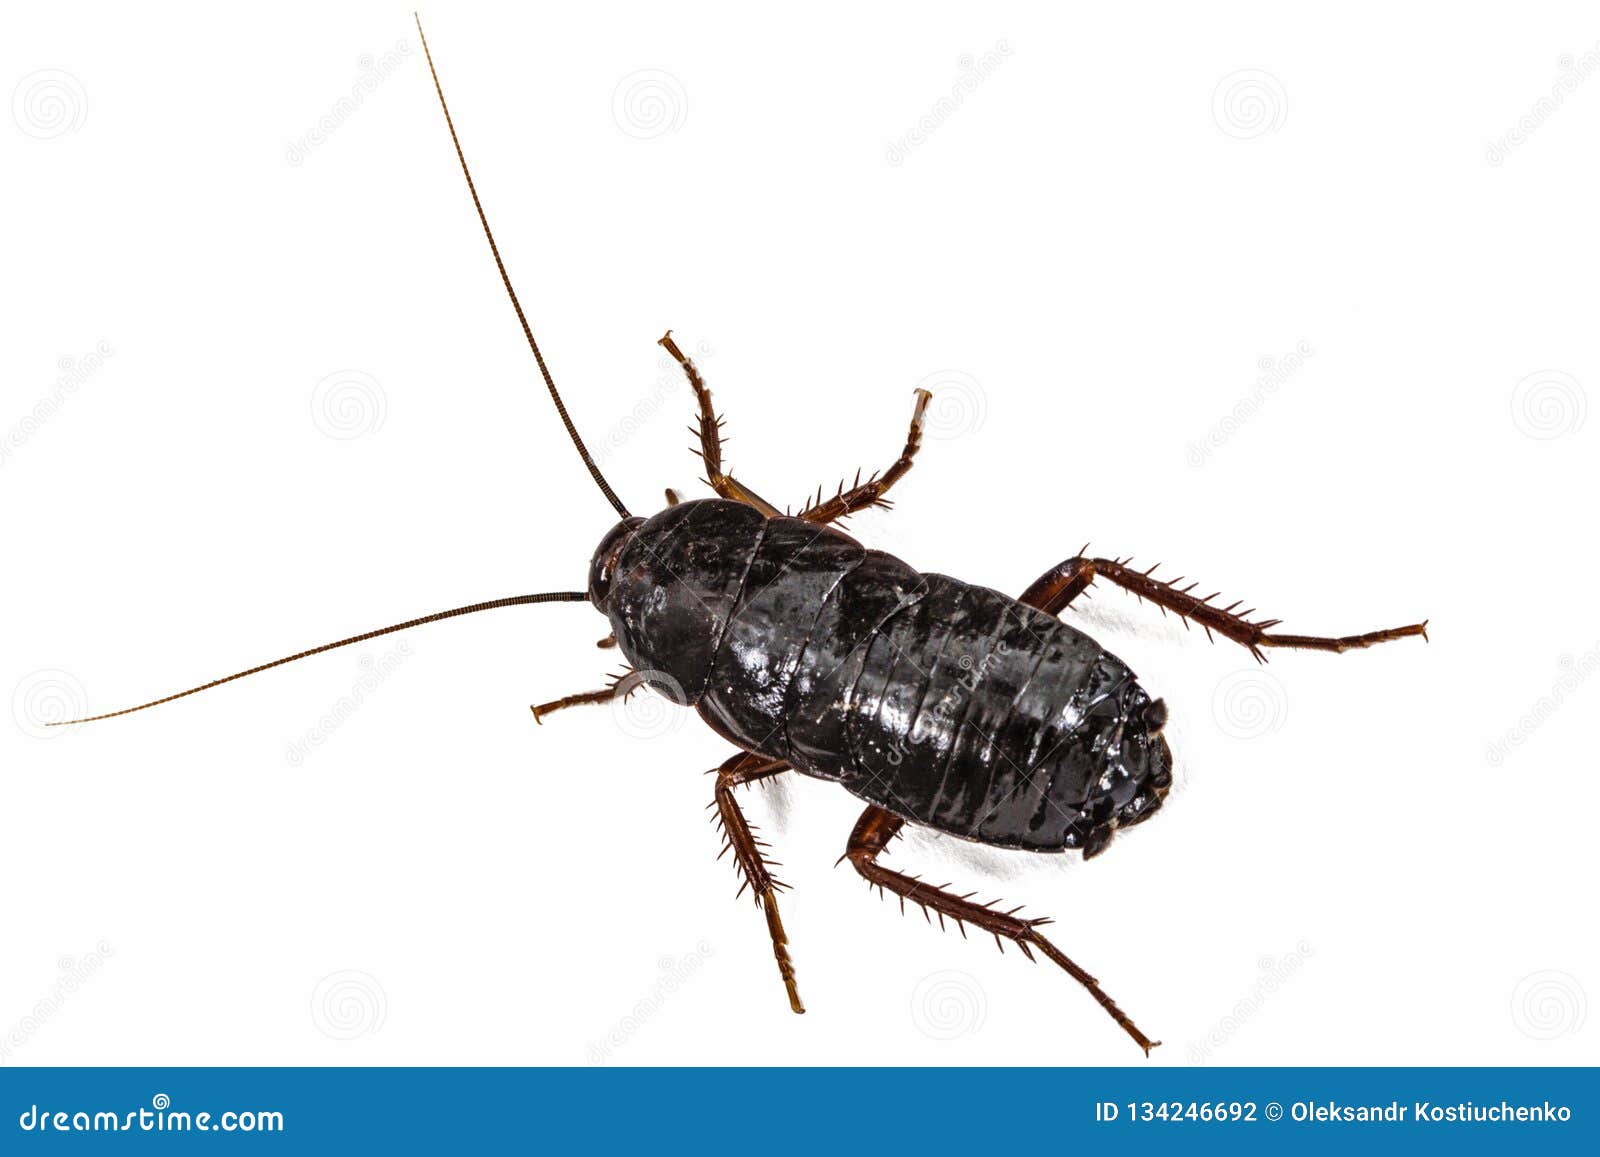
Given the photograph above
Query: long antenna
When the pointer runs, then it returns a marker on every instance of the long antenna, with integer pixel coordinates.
(516, 601)
(527, 330)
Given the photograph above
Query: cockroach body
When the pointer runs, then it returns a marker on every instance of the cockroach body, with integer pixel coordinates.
(940, 703)
(953, 706)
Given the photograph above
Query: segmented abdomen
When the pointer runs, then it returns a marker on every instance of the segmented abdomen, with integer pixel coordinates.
(950, 704)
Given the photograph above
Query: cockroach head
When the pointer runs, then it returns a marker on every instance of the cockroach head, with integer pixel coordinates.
(604, 564)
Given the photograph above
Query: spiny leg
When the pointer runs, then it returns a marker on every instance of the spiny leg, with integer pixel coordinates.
(540, 710)
(710, 433)
(870, 493)
(871, 836)
(624, 684)
(746, 768)
(1058, 586)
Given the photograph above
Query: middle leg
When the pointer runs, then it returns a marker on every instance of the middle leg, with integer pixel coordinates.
(870, 493)
(871, 836)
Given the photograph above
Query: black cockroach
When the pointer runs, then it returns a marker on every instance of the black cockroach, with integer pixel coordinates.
(940, 703)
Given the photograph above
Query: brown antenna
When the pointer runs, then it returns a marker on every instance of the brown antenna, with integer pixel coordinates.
(527, 330)
(516, 601)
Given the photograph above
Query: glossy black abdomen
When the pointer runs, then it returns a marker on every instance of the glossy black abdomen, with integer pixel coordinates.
(952, 705)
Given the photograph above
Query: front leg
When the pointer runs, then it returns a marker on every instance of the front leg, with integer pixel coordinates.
(1057, 587)
(746, 768)
(872, 835)
(623, 684)
(710, 432)
(605, 695)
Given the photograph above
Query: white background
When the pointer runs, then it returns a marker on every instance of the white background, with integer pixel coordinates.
(1094, 254)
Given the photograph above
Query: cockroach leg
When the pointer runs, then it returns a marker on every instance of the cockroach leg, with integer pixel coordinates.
(673, 497)
(1057, 587)
(742, 769)
(623, 684)
(870, 493)
(540, 710)
(710, 434)
(871, 836)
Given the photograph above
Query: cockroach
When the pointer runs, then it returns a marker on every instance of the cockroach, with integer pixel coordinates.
(939, 703)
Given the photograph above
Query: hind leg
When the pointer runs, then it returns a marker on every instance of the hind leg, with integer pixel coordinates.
(871, 836)
(745, 768)
(1057, 587)
(710, 433)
